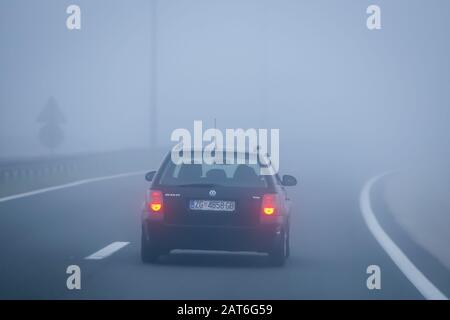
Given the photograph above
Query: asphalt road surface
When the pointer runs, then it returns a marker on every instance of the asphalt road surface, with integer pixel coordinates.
(331, 247)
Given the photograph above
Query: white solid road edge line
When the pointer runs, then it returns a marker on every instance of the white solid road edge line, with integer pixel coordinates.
(425, 287)
(69, 185)
(107, 251)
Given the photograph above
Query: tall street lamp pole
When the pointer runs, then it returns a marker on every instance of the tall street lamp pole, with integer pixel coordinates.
(153, 75)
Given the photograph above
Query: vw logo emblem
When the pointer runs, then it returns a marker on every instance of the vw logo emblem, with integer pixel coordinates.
(212, 193)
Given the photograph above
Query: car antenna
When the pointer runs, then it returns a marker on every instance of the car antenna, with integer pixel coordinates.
(215, 144)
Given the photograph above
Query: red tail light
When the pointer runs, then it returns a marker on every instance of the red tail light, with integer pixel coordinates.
(155, 203)
(269, 204)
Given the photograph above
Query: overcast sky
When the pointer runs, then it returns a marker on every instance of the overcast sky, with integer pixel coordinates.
(310, 68)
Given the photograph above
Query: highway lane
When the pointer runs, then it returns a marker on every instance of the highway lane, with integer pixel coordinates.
(331, 248)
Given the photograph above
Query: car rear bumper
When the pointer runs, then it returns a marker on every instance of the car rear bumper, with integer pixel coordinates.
(230, 238)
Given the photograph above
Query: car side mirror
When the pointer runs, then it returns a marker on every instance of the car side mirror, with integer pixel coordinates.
(288, 181)
(149, 176)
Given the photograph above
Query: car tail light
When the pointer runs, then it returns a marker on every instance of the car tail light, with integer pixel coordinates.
(155, 203)
(269, 204)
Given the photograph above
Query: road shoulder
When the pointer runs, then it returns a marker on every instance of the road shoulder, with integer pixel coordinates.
(427, 263)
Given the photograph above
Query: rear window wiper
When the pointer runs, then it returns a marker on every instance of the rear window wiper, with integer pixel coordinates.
(206, 185)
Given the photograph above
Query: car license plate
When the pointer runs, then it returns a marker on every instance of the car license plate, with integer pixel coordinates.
(212, 205)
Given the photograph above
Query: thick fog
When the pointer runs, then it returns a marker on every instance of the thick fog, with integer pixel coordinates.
(310, 68)
(86, 113)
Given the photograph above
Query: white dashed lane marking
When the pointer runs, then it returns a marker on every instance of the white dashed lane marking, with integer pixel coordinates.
(107, 251)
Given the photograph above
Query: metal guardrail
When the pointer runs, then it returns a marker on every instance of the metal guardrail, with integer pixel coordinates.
(87, 164)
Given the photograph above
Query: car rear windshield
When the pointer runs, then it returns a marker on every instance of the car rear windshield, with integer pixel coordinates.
(228, 175)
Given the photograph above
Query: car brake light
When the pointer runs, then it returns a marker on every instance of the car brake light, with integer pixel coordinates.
(269, 204)
(155, 203)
